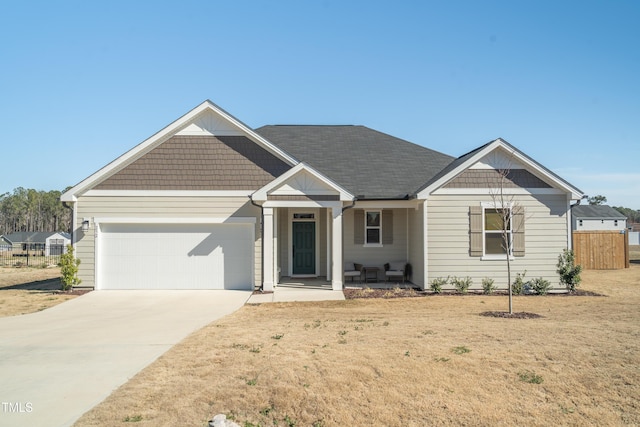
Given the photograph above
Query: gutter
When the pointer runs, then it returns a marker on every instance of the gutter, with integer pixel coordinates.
(261, 239)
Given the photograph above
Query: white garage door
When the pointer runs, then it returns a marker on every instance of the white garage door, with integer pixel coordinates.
(175, 256)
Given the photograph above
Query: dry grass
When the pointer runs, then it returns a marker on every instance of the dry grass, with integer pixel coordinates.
(27, 290)
(409, 362)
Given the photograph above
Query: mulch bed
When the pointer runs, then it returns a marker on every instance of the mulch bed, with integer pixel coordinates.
(506, 315)
(73, 292)
(412, 293)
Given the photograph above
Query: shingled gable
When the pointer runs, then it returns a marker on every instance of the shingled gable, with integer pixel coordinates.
(533, 172)
(367, 163)
(206, 133)
(302, 181)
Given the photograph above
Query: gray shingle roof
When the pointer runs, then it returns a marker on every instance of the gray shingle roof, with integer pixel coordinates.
(367, 163)
(33, 236)
(596, 212)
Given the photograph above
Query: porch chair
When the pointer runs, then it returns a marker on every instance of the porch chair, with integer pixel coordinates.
(353, 270)
(395, 269)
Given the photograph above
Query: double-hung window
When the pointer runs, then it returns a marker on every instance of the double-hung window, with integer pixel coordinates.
(373, 227)
(497, 231)
(492, 226)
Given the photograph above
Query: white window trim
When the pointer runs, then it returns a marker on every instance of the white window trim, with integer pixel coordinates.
(496, 257)
(366, 243)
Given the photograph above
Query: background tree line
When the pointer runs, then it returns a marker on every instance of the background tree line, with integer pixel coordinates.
(32, 210)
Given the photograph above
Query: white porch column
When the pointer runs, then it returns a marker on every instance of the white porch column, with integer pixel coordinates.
(425, 242)
(276, 249)
(336, 247)
(267, 245)
(329, 220)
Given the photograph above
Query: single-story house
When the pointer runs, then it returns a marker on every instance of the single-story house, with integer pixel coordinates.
(210, 203)
(38, 243)
(597, 218)
(5, 244)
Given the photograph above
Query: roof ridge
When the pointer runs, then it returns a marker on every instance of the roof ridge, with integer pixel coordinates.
(308, 125)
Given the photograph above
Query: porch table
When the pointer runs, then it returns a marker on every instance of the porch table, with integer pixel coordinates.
(371, 274)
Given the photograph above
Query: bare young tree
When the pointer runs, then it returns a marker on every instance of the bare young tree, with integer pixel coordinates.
(506, 218)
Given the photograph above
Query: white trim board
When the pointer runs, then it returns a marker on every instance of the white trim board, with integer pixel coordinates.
(172, 220)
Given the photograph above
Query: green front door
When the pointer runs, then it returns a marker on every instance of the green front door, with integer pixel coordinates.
(304, 247)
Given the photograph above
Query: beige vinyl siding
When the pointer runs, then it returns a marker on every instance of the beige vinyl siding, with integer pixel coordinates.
(372, 256)
(416, 246)
(448, 239)
(157, 207)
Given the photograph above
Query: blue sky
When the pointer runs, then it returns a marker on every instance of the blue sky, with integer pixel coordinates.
(83, 82)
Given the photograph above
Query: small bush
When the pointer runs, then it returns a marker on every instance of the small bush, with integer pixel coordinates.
(568, 270)
(540, 286)
(461, 284)
(517, 288)
(487, 286)
(437, 284)
(69, 269)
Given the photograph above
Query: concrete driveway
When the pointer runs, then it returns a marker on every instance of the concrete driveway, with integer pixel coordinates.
(57, 364)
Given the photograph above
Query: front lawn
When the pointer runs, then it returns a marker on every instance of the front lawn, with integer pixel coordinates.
(402, 362)
(27, 290)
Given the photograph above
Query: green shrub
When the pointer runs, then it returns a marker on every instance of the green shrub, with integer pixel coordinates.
(69, 269)
(568, 271)
(517, 288)
(540, 286)
(437, 284)
(461, 284)
(487, 286)
(530, 377)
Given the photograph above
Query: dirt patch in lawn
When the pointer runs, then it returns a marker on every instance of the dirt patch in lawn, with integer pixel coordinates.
(27, 290)
(402, 361)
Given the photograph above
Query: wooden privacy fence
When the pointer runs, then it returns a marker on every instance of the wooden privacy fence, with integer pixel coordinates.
(601, 250)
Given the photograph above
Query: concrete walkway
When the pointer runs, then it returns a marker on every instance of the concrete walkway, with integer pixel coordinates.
(289, 294)
(57, 364)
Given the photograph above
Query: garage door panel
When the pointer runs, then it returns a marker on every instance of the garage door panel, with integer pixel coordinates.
(175, 256)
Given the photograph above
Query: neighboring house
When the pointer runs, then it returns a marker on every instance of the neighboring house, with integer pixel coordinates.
(209, 203)
(597, 218)
(38, 243)
(5, 244)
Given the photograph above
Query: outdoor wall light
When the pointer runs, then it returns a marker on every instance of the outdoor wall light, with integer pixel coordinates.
(85, 224)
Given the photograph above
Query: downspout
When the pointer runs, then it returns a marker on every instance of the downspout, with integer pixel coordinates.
(261, 239)
(353, 203)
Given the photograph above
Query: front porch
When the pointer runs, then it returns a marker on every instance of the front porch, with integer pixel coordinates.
(310, 246)
(312, 228)
(320, 283)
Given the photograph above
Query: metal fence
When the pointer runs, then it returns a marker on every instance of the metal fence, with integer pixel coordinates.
(30, 255)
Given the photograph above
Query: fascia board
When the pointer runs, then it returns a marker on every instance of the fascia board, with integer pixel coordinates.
(164, 134)
(261, 194)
